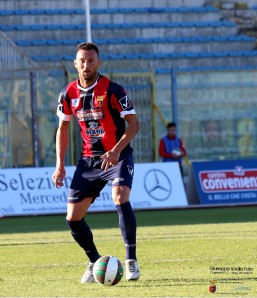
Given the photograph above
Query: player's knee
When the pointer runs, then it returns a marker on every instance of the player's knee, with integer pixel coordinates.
(120, 196)
(73, 217)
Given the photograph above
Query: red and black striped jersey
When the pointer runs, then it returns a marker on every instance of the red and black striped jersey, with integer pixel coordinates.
(100, 110)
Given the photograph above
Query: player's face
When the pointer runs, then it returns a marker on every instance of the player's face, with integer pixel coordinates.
(87, 64)
(171, 131)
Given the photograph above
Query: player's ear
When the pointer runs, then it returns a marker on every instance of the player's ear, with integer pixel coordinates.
(99, 63)
(75, 63)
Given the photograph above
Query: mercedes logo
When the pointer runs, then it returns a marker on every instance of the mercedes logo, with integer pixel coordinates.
(157, 184)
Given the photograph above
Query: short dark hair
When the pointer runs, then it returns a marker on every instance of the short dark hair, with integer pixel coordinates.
(88, 46)
(171, 124)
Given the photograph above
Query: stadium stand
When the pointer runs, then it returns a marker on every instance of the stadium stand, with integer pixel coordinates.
(169, 32)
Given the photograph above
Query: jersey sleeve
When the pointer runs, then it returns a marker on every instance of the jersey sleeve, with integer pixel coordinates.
(121, 101)
(63, 110)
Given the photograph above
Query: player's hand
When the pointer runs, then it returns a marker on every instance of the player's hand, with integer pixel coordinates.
(176, 156)
(110, 159)
(58, 176)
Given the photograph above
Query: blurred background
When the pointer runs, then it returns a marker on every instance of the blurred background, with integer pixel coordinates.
(189, 61)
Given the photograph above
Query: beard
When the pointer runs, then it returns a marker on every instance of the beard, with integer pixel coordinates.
(89, 76)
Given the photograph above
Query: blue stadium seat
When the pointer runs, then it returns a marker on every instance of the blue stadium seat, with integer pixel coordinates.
(67, 27)
(160, 55)
(7, 27)
(247, 38)
(202, 39)
(187, 39)
(35, 12)
(174, 55)
(155, 39)
(115, 41)
(191, 55)
(142, 25)
(131, 56)
(205, 9)
(220, 54)
(140, 10)
(237, 54)
(249, 53)
(229, 24)
(72, 11)
(52, 42)
(205, 55)
(52, 27)
(184, 9)
(67, 57)
(101, 41)
(218, 38)
(153, 10)
(53, 58)
(104, 56)
(98, 26)
(80, 26)
(22, 27)
(138, 40)
(19, 12)
(125, 26)
(38, 43)
(37, 27)
(22, 43)
(191, 24)
(67, 42)
(202, 24)
(97, 10)
(51, 11)
(145, 56)
(39, 58)
(156, 9)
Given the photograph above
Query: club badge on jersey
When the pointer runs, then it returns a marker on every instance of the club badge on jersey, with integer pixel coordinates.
(100, 100)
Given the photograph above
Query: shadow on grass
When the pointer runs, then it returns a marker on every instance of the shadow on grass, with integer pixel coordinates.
(144, 218)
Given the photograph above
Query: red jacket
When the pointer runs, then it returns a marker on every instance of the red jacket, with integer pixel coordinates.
(164, 153)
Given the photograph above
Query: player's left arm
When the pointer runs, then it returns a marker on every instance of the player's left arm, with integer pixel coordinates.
(111, 157)
(183, 148)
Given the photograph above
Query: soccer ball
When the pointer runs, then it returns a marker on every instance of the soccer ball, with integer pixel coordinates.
(108, 270)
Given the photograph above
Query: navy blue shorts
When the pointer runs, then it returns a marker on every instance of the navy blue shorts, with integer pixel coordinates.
(89, 179)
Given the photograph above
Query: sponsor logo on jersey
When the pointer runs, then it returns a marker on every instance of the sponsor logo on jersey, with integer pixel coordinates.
(84, 94)
(94, 130)
(88, 115)
(100, 100)
(75, 102)
(116, 180)
(238, 179)
(93, 124)
(125, 103)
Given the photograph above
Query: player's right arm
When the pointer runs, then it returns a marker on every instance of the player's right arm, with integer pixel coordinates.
(62, 137)
(62, 140)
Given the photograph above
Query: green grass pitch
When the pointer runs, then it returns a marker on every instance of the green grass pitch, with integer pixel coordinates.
(180, 253)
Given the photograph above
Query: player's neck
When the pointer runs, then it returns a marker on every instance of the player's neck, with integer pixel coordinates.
(87, 83)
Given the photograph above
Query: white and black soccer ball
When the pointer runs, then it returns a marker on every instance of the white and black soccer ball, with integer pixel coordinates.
(108, 270)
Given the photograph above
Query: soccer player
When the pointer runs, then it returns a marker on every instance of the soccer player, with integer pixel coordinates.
(102, 109)
(171, 145)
